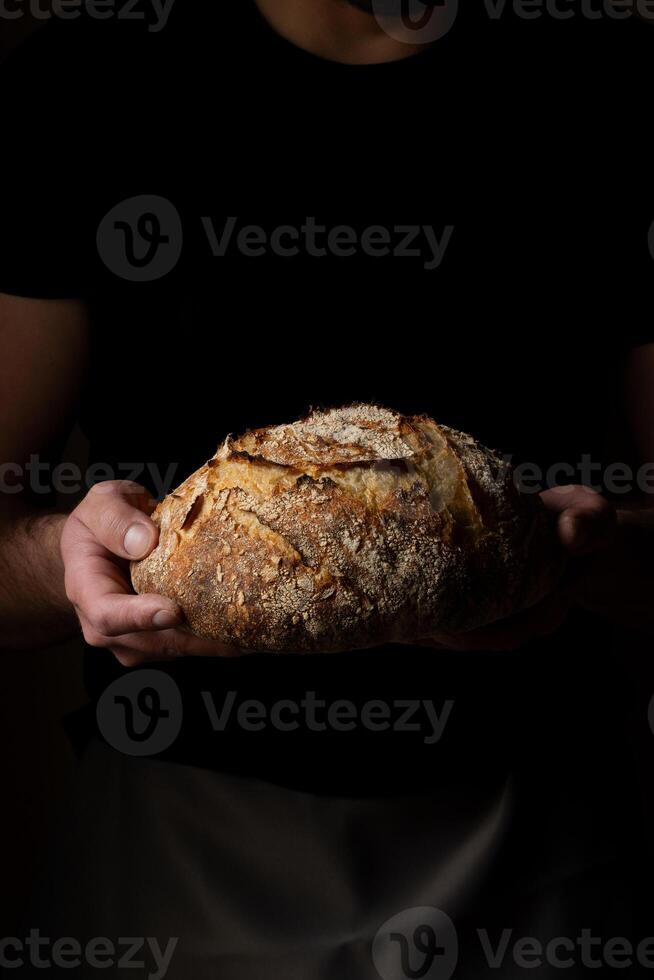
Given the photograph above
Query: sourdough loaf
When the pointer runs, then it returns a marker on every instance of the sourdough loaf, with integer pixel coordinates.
(352, 527)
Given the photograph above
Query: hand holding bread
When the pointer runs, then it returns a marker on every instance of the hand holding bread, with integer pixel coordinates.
(108, 527)
(350, 528)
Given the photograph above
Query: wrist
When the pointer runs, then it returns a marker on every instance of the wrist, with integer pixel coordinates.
(34, 608)
(48, 529)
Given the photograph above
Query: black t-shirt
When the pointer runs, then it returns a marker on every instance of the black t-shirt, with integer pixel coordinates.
(462, 233)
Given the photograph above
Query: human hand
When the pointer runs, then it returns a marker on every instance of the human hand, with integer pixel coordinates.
(110, 527)
(585, 524)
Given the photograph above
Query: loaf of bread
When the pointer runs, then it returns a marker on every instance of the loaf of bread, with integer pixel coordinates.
(350, 528)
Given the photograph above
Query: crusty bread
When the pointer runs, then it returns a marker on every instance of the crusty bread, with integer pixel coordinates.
(350, 528)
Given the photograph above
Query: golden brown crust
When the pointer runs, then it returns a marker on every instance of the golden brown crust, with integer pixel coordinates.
(349, 528)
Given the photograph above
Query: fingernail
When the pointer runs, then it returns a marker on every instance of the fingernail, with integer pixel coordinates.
(165, 619)
(137, 540)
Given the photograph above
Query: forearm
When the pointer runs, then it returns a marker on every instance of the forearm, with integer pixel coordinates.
(34, 610)
(618, 584)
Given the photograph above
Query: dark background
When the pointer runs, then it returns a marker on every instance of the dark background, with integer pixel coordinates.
(38, 688)
(12, 32)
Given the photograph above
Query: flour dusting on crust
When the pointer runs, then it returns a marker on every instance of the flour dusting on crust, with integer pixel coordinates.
(352, 527)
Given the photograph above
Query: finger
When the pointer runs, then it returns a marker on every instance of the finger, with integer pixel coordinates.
(573, 495)
(117, 513)
(115, 615)
(198, 646)
(172, 643)
(586, 521)
(584, 532)
(102, 595)
(128, 657)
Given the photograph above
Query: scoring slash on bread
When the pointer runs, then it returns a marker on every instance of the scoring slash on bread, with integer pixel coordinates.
(350, 528)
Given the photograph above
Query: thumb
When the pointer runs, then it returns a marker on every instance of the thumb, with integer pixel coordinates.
(585, 521)
(117, 515)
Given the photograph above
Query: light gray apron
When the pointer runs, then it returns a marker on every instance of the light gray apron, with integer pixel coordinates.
(239, 879)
